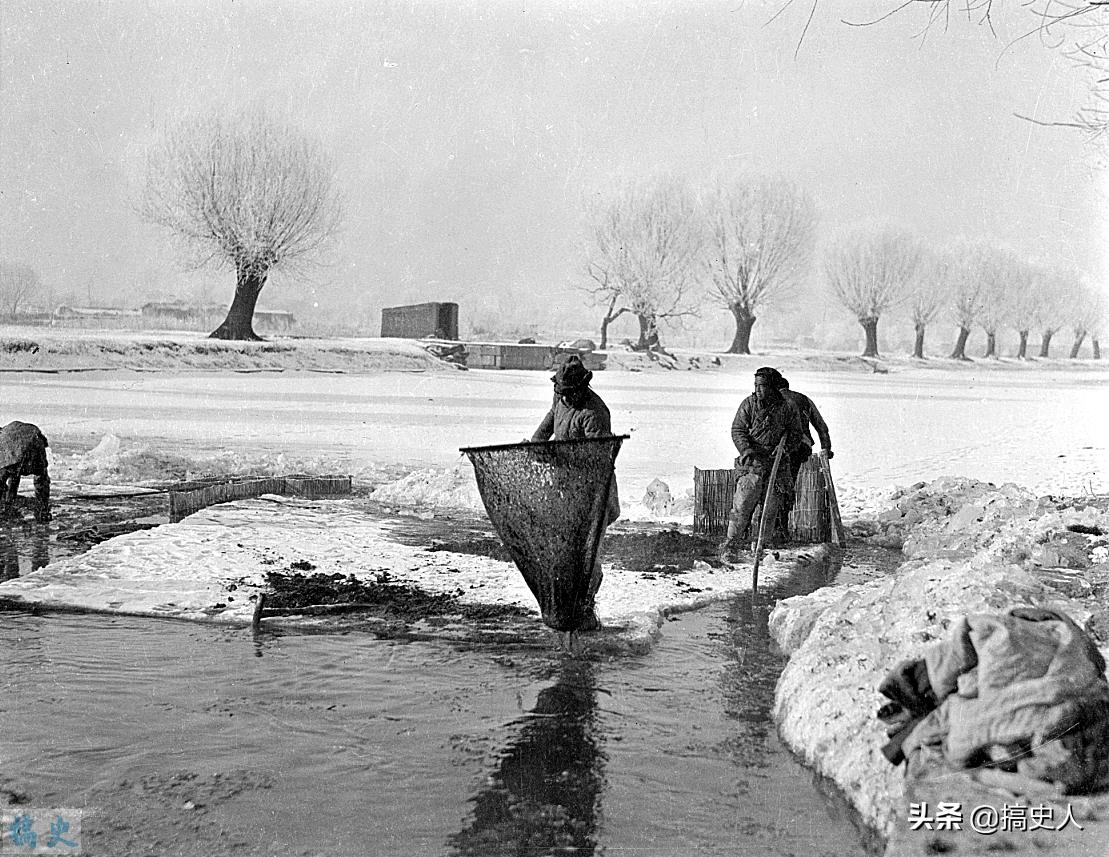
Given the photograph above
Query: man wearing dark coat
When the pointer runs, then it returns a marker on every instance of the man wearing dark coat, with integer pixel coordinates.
(764, 418)
(577, 412)
(23, 453)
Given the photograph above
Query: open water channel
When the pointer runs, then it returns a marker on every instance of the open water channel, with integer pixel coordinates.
(182, 739)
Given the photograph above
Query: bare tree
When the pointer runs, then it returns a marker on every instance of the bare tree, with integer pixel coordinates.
(997, 269)
(17, 284)
(869, 271)
(1061, 291)
(928, 294)
(1028, 302)
(1087, 314)
(643, 256)
(1079, 29)
(247, 192)
(759, 241)
(965, 298)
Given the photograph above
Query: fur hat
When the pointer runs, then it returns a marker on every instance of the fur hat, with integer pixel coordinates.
(571, 374)
(772, 375)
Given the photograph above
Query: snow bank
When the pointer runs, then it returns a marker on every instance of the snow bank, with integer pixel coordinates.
(45, 349)
(972, 548)
(433, 489)
(116, 462)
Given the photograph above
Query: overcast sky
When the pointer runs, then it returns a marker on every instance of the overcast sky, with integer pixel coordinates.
(465, 134)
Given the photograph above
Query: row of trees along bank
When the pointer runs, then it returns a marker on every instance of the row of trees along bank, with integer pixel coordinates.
(253, 194)
(660, 250)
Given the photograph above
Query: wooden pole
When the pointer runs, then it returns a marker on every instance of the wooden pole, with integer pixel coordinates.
(259, 606)
(838, 536)
(762, 515)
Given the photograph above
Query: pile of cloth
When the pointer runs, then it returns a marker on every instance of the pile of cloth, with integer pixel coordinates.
(1024, 692)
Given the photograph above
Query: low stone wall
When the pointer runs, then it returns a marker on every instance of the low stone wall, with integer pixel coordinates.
(972, 548)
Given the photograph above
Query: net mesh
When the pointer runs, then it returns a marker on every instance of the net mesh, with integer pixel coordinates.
(547, 502)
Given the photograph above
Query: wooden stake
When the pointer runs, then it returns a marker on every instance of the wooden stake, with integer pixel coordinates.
(259, 603)
(838, 536)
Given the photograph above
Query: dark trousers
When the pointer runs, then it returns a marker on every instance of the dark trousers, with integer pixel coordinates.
(11, 477)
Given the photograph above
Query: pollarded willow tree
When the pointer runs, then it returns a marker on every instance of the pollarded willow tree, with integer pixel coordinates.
(245, 191)
(965, 295)
(643, 256)
(998, 269)
(1087, 314)
(1028, 300)
(1061, 284)
(928, 294)
(759, 240)
(869, 271)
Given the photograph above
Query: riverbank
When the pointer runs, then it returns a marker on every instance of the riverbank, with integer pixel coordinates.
(65, 350)
(970, 548)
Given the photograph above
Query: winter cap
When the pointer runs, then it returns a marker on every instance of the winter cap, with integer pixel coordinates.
(772, 375)
(571, 374)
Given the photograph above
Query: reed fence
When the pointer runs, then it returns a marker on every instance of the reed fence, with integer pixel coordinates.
(190, 497)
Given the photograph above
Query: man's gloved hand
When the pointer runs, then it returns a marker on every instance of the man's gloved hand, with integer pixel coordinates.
(829, 454)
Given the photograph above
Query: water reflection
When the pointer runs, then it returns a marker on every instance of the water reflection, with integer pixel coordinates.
(544, 796)
(78, 524)
(24, 547)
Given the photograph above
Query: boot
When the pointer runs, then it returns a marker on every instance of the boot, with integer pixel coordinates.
(733, 543)
(590, 622)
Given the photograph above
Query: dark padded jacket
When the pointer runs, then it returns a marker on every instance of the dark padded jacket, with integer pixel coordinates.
(757, 429)
(562, 422)
(23, 449)
(590, 419)
(810, 416)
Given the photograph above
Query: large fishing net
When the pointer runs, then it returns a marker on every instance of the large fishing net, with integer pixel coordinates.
(547, 501)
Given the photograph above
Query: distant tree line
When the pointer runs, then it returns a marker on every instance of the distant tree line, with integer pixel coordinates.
(660, 250)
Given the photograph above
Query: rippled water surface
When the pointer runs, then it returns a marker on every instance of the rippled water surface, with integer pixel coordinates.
(185, 739)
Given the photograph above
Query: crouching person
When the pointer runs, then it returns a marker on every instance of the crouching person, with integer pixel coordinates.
(23, 453)
(763, 420)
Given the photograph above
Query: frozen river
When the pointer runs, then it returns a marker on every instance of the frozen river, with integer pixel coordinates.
(1045, 430)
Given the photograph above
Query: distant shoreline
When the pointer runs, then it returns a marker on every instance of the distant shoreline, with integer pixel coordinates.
(50, 350)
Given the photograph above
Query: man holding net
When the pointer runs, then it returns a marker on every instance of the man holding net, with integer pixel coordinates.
(576, 413)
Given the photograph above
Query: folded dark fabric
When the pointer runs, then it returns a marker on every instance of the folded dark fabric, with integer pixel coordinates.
(908, 686)
(1025, 691)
